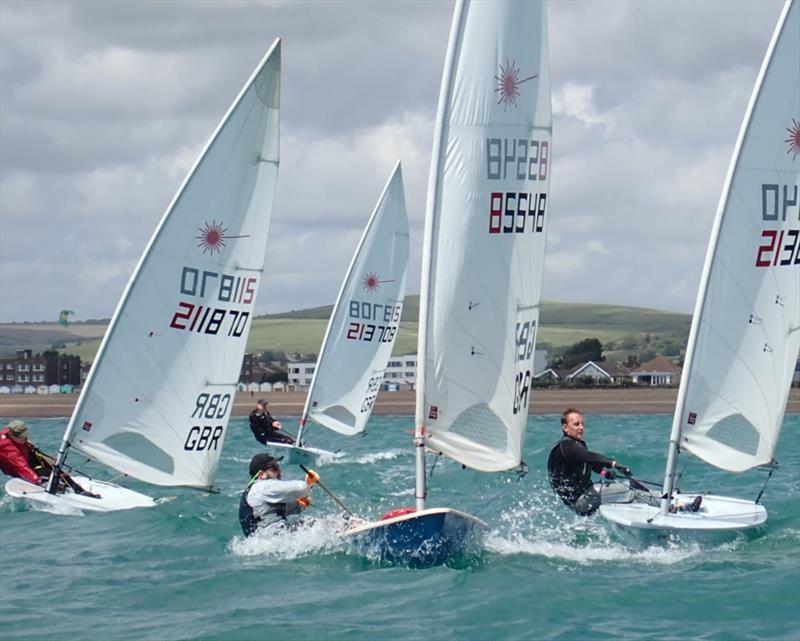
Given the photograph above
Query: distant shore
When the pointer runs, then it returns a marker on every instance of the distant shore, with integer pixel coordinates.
(590, 401)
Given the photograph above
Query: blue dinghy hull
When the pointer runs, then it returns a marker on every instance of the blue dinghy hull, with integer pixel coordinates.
(419, 539)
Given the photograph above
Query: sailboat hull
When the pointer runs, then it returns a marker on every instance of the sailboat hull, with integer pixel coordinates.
(718, 517)
(419, 539)
(112, 497)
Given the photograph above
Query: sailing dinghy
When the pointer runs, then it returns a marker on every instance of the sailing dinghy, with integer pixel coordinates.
(157, 401)
(362, 328)
(745, 335)
(483, 258)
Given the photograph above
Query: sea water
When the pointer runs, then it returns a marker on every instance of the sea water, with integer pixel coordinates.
(182, 570)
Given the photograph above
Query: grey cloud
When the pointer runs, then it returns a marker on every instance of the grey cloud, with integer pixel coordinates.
(103, 107)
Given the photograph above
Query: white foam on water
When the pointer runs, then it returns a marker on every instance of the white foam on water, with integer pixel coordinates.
(11, 504)
(407, 492)
(539, 527)
(311, 536)
(368, 459)
(592, 553)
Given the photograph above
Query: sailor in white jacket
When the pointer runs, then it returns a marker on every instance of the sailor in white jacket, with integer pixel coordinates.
(268, 500)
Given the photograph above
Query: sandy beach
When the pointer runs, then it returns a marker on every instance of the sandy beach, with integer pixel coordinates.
(591, 401)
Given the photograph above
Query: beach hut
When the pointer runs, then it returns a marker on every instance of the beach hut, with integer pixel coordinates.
(67, 389)
(5, 389)
(279, 387)
(265, 387)
(17, 389)
(42, 389)
(241, 387)
(29, 389)
(54, 389)
(253, 387)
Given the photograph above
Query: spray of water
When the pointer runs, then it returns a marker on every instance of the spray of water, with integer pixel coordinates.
(539, 525)
(308, 537)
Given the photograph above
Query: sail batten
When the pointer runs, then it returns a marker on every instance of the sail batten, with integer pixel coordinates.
(486, 223)
(155, 405)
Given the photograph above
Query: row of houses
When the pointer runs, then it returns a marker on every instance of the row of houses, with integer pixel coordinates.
(658, 371)
(48, 369)
(401, 371)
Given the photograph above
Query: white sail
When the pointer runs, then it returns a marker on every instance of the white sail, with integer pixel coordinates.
(365, 319)
(485, 235)
(745, 336)
(159, 396)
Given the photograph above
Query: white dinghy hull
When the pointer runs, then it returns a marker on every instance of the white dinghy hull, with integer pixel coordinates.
(112, 497)
(419, 539)
(301, 454)
(718, 516)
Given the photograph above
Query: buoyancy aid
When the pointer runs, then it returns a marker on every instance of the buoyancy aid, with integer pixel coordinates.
(247, 518)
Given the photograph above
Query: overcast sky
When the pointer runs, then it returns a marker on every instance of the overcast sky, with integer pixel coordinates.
(104, 106)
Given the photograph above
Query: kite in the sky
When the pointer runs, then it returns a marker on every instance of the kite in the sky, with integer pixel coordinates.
(64, 317)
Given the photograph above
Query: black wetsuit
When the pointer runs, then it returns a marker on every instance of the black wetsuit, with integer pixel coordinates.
(261, 424)
(570, 467)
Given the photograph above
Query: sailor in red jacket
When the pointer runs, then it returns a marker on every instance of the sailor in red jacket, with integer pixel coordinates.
(20, 458)
(16, 452)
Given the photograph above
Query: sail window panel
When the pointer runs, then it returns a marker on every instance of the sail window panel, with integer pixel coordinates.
(481, 425)
(338, 414)
(736, 432)
(138, 448)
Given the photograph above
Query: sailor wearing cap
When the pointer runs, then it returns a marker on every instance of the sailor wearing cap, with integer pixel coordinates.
(268, 500)
(22, 459)
(16, 452)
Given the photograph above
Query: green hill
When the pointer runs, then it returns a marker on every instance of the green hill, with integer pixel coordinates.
(622, 330)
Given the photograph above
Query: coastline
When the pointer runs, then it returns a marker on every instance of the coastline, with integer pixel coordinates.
(543, 402)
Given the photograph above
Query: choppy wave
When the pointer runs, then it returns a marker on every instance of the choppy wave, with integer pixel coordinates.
(182, 570)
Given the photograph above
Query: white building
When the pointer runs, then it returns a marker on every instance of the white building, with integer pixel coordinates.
(300, 374)
(602, 371)
(399, 369)
(658, 371)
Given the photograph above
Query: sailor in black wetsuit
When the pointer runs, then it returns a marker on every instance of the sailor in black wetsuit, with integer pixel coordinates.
(571, 463)
(265, 428)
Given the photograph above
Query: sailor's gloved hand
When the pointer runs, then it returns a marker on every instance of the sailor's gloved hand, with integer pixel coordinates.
(311, 478)
(303, 502)
(626, 471)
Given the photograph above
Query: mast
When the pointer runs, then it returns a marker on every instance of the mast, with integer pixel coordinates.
(431, 213)
(680, 409)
